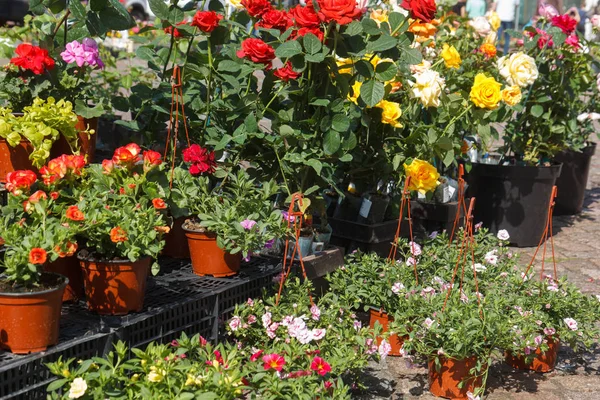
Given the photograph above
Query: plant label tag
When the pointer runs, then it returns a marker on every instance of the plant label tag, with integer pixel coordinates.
(365, 208)
(448, 193)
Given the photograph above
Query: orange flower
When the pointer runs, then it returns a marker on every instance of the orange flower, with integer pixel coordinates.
(488, 49)
(117, 235)
(70, 249)
(162, 229)
(37, 256)
(423, 31)
(75, 214)
(159, 204)
(37, 196)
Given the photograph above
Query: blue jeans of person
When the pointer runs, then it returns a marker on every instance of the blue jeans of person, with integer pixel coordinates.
(504, 26)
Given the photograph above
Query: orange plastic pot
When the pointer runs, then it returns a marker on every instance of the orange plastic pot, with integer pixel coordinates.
(29, 322)
(86, 143)
(15, 158)
(176, 242)
(69, 267)
(445, 382)
(395, 341)
(542, 362)
(114, 287)
(208, 258)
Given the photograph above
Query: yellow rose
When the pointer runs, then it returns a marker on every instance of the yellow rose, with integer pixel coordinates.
(450, 56)
(494, 20)
(379, 16)
(491, 38)
(518, 69)
(511, 95)
(390, 113)
(345, 65)
(423, 176)
(428, 86)
(485, 92)
(237, 4)
(355, 92)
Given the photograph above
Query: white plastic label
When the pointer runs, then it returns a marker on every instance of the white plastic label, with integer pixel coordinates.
(365, 207)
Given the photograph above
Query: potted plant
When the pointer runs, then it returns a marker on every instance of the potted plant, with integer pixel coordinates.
(121, 226)
(231, 221)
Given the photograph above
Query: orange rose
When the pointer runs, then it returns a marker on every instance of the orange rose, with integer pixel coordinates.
(37, 196)
(17, 181)
(127, 155)
(37, 256)
(117, 235)
(75, 214)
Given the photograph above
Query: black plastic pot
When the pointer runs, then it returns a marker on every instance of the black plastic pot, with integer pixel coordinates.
(375, 212)
(514, 198)
(349, 207)
(573, 179)
(376, 238)
(429, 217)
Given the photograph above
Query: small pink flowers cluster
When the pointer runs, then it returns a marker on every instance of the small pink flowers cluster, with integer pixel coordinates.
(83, 54)
(277, 362)
(571, 323)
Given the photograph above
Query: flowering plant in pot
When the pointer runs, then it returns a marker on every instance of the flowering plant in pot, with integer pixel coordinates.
(232, 220)
(120, 220)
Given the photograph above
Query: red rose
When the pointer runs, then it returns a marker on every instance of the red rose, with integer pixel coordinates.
(37, 256)
(151, 160)
(127, 155)
(206, 21)
(256, 8)
(37, 196)
(17, 181)
(315, 31)
(420, 9)
(275, 19)
(565, 23)
(32, 58)
(176, 33)
(256, 51)
(159, 204)
(341, 11)
(305, 17)
(286, 73)
(75, 163)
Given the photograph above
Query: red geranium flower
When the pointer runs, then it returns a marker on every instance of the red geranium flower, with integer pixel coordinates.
(256, 51)
(286, 72)
(203, 161)
(274, 361)
(420, 9)
(565, 23)
(275, 19)
(127, 155)
(159, 204)
(74, 213)
(305, 17)
(320, 366)
(256, 8)
(341, 11)
(206, 21)
(37, 256)
(17, 181)
(32, 58)
(118, 234)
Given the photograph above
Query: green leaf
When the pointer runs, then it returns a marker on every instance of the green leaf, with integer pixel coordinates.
(94, 24)
(353, 29)
(386, 71)
(116, 17)
(288, 49)
(331, 142)
(412, 56)
(319, 102)
(159, 8)
(315, 58)
(57, 384)
(340, 123)
(383, 43)
(145, 53)
(286, 130)
(370, 27)
(98, 5)
(78, 10)
(346, 158)
(364, 68)
(396, 20)
(312, 45)
(85, 111)
(229, 66)
(372, 92)
(537, 110)
(176, 15)
(316, 164)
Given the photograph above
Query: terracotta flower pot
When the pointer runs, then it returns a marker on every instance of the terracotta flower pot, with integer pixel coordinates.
(208, 258)
(395, 341)
(445, 382)
(176, 243)
(114, 287)
(69, 267)
(15, 158)
(29, 322)
(543, 362)
(86, 144)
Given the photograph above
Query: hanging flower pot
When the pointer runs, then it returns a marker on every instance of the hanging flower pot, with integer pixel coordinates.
(69, 267)
(15, 158)
(445, 381)
(573, 179)
(29, 320)
(394, 340)
(86, 143)
(176, 243)
(542, 362)
(114, 287)
(207, 257)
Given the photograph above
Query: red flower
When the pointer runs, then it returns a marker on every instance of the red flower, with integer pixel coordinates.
(37, 256)
(206, 21)
(32, 58)
(544, 39)
(298, 374)
(74, 213)
(127, 155)
(117, 234)
(573, 41)
(17, 181)
(420, 9)
(274, 361)
(107, 166)
(159, 204)
(286, 73)
(218, 357)
(37, 196)
(565, 23)
(256, 8)
(54, 195)
(202, 341)
(315, 31)
(320, 366)
(75, 163)
(341, 11)
(176, 33)
(275, 19)
(151, 159)
(256, 51)
(202, 160)
(305, 17)
(256, 355)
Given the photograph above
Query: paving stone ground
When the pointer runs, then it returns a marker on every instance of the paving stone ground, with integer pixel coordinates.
(577, 376)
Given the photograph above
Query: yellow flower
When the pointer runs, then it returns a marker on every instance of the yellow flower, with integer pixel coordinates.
(190, 380)
(135, 377)
(518, 69)
(485, 92)
(355, 92)
(344, 65)
(450, 56)
(375, 60)
(494, 20)
(511, 95)
(390, 113)
(237, 4)
(156, 375)
(491, 38)
(379, 16)
(423, 176)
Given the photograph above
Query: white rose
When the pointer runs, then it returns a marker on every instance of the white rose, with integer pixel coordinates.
(481, 25)
(78, 388)
(428, 87)
(519, 69)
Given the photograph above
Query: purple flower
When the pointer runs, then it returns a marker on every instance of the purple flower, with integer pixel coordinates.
(248, 224)
(433, 235)
(269, 244)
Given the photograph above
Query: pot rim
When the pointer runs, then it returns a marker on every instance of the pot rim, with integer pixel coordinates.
(197, 231)
(33, 294)
(118, 261)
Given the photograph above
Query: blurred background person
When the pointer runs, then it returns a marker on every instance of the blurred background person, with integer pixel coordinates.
(506, 10)
(476, 8)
